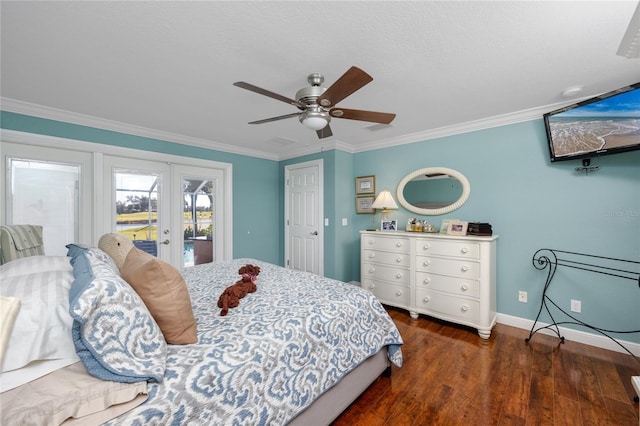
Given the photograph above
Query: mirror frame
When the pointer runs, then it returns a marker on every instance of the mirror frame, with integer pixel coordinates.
(466, 190)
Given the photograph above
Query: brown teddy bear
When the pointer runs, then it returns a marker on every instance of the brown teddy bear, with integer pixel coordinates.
(230, 297)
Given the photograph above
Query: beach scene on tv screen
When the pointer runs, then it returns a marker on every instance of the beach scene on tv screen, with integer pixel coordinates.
(608, 123)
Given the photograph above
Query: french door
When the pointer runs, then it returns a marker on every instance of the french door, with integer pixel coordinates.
(170, 210)
(199, 214)
(137, 202)
(81, 190)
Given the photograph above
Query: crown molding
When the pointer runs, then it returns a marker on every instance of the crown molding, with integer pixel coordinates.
(26, 108)
(469, 126)
(20, 107)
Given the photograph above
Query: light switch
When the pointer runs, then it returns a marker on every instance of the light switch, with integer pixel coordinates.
(344, 221)
(326, 221)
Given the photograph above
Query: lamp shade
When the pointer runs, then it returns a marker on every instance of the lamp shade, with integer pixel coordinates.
(384, 201)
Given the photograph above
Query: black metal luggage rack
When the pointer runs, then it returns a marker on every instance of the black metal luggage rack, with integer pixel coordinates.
(552, 259)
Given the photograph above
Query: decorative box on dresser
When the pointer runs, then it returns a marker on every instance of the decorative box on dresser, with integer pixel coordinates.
(448, 277)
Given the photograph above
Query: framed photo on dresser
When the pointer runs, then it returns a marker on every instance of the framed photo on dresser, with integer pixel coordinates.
(457, 228)
(389, 225)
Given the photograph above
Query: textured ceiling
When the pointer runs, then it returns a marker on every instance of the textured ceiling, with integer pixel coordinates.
(165, 69)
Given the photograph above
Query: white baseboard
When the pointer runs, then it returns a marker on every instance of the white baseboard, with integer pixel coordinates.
(572, 335)
(569, 334)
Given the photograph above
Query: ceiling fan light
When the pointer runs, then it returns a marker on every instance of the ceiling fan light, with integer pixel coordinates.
(315, 122)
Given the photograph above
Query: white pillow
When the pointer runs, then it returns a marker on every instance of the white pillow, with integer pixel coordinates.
(42, 329)
(9, 308)
(33, 264)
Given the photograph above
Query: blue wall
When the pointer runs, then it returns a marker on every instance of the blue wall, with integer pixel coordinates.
(530, 202)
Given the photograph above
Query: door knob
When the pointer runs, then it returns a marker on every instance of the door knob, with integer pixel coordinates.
(165, 242)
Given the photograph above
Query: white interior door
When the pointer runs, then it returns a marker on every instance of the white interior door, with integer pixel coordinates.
(304, 234)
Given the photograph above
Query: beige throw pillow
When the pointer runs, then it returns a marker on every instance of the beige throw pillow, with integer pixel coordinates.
(165, 293)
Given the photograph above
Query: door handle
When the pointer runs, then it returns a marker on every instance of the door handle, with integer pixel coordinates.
(314, 233)
(165, 242)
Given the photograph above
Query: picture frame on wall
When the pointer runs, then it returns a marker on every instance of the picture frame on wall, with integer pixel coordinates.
(365, 185)
(457, 228)
(389, 225)
(363, 205)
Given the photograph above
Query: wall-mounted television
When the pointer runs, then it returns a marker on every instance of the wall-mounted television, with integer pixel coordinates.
(606, 124)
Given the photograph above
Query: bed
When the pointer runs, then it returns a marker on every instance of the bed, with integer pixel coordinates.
(297, 351)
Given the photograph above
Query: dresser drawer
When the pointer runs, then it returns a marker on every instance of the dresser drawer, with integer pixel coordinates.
(392, 294)
(386, 273)
(389, 258)
(448, 248)
(395, 244)
(466, 309)
(452, 267)
(453, 285)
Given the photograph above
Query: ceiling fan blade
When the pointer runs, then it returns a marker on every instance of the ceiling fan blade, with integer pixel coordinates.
(281, 117)
(358, 114)
(350, 81)
(325, 132)
(268, 93)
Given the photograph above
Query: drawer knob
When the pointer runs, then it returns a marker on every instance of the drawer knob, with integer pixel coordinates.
(372, 242)
(398, 244)
(464, 308)
(426, 246)
(425, 263)
(372, 270)
(426, 280)
(398, 293)
(398, 275)
(464, 250)
(398, 259)
(372, 286)
(372, 255)
(464, 268)
(426, 299)
(464, 287)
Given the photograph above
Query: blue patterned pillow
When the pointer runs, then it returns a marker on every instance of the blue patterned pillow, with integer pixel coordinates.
(114, 334)
(75, 249)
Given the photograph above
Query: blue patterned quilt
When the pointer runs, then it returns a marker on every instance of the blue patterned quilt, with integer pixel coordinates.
(272, 356)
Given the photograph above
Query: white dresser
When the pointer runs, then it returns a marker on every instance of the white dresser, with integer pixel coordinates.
(448, 277)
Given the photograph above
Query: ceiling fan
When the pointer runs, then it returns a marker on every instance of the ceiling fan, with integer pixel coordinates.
(317, 104)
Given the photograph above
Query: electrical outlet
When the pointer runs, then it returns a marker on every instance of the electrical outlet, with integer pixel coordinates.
(576, 306)
(522, 296)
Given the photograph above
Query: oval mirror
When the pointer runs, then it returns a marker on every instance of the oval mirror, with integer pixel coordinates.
(433, 191)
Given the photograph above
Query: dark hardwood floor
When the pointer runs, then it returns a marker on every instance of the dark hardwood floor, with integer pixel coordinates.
(451, 376)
